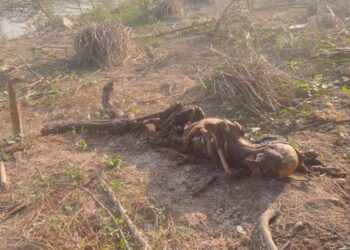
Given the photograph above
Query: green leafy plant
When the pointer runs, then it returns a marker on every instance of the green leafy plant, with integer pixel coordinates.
(115, 184)
(132, 13)
(82, 144)
(345, 89)
(112, 161)
(74, 172)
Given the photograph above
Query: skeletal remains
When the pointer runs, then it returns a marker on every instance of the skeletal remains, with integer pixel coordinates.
(221, 141)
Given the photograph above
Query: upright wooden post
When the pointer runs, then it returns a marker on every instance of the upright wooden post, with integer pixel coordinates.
(15, 110)
(3, 176)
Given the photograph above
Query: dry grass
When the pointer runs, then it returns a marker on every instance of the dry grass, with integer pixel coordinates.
(168, 8)
(105, 43)
(253, 83)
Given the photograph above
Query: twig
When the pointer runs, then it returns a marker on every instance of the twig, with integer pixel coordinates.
(180, 29)
(43, 10)
(15, 111)
(3, 176)
(15, 210)
(205, 186)
(136, 233)
(27, 65)
(265, 229)
(79, 5)
(39, 173)
(223, 15)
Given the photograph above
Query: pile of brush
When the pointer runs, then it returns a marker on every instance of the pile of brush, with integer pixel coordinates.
(254, 85)
(105, 43)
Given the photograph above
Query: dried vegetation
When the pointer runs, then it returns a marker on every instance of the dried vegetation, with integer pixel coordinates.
(256, 85)
(163, 9)
(105, 43)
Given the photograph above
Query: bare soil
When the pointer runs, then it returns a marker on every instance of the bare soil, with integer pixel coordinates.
(154, 189)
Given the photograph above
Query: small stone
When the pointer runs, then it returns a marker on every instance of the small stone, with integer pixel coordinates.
(298, 227)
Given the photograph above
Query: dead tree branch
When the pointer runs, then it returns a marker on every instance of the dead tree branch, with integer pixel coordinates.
(117, 204)
(111, 215)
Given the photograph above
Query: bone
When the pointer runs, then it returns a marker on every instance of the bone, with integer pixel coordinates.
(224, 162)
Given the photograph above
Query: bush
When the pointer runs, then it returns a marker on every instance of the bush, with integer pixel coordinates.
(131, 13)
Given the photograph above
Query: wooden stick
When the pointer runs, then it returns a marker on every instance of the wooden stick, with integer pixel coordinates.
(15, 110)
(48, 15)
(3, 176)
(136, 233)
(18, 208)
(114, 112)
(265, 229)
(111, 215)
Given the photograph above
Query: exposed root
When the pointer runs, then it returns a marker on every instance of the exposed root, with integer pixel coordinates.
(265, 218)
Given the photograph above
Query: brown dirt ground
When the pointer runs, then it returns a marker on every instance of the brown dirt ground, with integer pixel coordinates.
(155, 191)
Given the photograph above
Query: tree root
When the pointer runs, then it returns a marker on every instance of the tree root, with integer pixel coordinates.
(265, 218)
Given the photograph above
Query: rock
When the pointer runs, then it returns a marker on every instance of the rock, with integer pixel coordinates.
(298, 227)
(341, 182)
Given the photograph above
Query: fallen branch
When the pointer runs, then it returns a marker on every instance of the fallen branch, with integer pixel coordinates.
(117, 126)
(181, 29)
(265, 229)
(135, 232)
(111, 126)
(3, 176)
(17, 208)
(111, 215)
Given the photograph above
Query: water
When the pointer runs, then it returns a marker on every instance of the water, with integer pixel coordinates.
(19, 17)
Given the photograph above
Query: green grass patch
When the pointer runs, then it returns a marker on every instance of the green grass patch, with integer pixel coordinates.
(133, 13)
